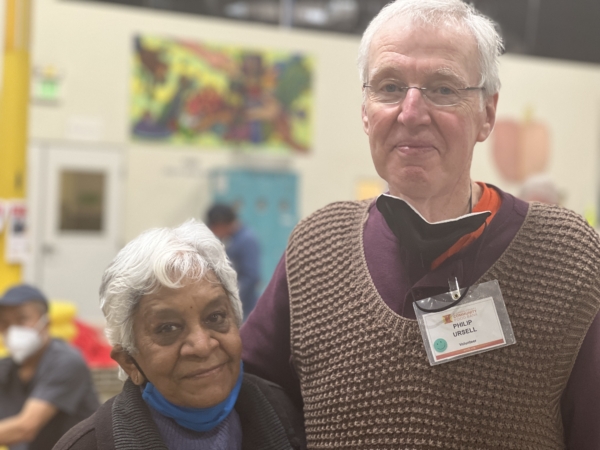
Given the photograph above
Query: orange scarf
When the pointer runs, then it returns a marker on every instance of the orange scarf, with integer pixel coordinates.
(490, 201)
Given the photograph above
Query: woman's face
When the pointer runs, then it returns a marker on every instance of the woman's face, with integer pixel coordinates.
(188, 344)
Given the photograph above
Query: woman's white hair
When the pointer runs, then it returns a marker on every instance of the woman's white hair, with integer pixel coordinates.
(161, 257)
(451, 13)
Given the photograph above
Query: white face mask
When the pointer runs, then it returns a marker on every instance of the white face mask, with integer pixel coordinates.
(22, 342)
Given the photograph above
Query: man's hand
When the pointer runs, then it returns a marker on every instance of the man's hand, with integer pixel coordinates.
(26, 425)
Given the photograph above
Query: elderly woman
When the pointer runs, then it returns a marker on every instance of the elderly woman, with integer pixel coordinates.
(172, 316)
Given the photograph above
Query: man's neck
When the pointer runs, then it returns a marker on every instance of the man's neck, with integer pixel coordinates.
(446, 205)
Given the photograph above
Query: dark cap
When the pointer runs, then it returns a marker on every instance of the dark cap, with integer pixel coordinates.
(23, 293)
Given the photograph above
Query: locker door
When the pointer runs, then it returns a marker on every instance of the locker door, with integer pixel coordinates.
(266, 202)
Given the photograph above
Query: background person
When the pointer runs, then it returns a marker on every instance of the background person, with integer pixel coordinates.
(45, 385)
(243, 250)
(540, 188)
(172, 315)
(336, 326)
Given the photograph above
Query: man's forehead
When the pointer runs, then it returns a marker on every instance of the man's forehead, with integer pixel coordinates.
(443, 72)
(454, 47)
(449, 28)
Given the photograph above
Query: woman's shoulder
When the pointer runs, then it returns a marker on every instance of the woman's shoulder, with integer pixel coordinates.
(84, 435)
(274, 393)
(267, 414)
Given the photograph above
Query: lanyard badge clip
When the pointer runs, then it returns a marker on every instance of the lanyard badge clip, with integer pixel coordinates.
(454, 288)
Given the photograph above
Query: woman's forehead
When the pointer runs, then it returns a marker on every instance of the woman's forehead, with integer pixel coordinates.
(201, 294)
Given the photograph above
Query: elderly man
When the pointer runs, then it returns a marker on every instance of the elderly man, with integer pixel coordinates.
(336, 326)
(45, 385)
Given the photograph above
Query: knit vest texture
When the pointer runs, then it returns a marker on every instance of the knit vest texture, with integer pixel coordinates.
(364, 374)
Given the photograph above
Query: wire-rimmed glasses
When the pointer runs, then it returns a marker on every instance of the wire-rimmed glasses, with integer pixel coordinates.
(390, 93)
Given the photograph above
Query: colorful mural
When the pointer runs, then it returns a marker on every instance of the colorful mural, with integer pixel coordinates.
(217, 96)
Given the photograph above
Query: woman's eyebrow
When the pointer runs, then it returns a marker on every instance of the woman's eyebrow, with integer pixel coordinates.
(217, 301)
(163, 313)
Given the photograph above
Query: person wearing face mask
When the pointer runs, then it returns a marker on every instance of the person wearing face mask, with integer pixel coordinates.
(45, 386)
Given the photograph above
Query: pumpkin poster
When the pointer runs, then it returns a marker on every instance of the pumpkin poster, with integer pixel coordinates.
(216, 96)
(521, 148)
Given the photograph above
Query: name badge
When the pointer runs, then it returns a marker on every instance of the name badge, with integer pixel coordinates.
(478, 323)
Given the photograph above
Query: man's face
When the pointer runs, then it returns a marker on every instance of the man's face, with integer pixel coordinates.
(222, 230)
(423, 150)
(25, 315)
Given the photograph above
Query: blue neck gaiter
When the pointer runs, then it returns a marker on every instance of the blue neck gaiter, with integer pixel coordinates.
(197, 419)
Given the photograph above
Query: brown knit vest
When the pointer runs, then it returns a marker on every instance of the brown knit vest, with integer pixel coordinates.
(364, 374)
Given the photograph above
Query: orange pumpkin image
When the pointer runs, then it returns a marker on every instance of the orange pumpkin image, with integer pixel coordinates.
(520, 149)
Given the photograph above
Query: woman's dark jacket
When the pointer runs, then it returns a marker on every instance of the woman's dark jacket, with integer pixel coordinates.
(269, 422)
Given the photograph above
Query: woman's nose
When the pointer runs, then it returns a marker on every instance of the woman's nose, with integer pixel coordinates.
(199, 342)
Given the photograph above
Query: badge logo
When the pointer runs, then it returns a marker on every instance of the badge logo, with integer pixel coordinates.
(440, 345)
(447, 318)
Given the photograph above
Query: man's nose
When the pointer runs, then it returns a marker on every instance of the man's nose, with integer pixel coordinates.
(199, 342)
(414, 110)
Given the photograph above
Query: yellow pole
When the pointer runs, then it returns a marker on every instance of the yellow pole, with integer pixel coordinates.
(14, 103)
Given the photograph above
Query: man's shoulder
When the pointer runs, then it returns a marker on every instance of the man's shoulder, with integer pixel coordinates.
(336, 211)
(5, 363)
(564, 222)
(64, 357)
(247, 234)
(65, 352)
(560, 231)
(6, 368)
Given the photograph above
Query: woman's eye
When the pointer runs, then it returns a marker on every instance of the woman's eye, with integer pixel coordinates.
(217, 318)
(167, 328)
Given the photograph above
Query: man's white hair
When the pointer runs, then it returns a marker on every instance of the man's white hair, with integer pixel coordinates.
(161, 257)
(450, 13)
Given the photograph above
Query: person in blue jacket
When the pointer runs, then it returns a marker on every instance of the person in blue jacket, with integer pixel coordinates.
(243, 250)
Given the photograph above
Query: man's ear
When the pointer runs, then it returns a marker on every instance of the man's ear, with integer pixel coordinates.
(490, 117)
(365, 118)
(125, 360)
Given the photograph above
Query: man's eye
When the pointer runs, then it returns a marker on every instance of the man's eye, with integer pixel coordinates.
(390, 88)
(444, 90)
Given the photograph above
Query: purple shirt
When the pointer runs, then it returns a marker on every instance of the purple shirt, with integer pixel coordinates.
(266, 333)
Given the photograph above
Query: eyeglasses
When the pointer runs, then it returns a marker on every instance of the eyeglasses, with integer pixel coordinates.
(390, 93)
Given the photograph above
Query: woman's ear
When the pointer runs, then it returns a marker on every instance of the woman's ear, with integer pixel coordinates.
(126, 362)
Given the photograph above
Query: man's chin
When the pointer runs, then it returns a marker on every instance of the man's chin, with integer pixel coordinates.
(413, 181)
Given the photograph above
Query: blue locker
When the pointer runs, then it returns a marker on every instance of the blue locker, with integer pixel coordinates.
(266, 201)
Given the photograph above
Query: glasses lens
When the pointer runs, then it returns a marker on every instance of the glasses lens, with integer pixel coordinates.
(443, 95)
(393, 93)
(386, 92)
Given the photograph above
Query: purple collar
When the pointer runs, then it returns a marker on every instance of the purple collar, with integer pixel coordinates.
(391, 275)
